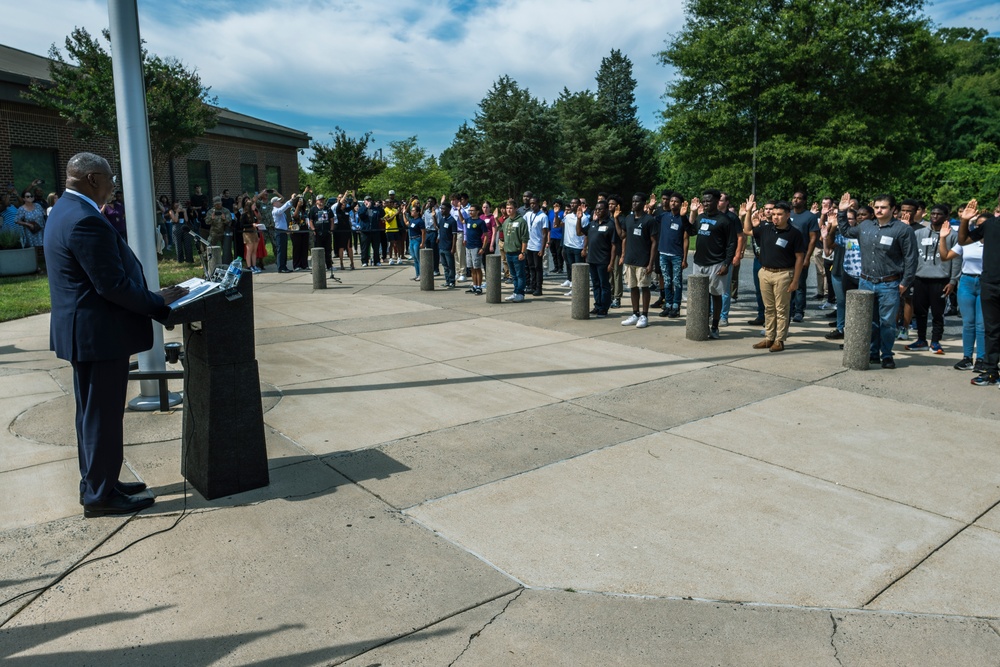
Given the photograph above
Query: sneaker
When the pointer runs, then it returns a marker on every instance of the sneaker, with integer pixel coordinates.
(566, 283)
(979, 366)
(985, 380)
(835, 335)
(964, 365)
(796, 318)
(873, 360)
(714, 334)
(512, 297)
(569, 293)
(518, 298)
(616, 303)
(642, 323)
(676, 312)
(936, 348)
(664, 313)
(461, 278)
(471, 290)
(817, 297)
(478, 291)
(723, 322)
(888, 363)
(917, 346)
(658, 303)
(630, 321)
(903, 334)
(594, 311)
(600, 314)
(826, 305)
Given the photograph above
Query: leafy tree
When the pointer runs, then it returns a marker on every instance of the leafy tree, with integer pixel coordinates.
(509, 147)
(633, 166)
(834, 88)
(410, 170)
(82, 91)
(590, 152)
(344, 163)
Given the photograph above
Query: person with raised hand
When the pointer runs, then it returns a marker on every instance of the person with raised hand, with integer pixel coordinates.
(986, 230)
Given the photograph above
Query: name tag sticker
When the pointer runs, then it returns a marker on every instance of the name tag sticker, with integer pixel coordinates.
(516, 225)
(781, 243)
(927, 241)
(602, 228)
(637, 231)
(704, 227)
(885, 240)
(446, 225)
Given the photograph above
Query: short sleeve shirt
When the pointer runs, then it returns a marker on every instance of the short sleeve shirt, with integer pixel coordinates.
(641, 235)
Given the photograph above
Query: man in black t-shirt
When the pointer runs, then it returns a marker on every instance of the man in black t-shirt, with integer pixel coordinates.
(319, 215)
(639, 253)
(782, 253)
(988, 231)
(714, 248)
(600, 249)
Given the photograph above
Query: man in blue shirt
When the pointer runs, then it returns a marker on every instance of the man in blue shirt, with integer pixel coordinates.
(475, 232)
(807, 223)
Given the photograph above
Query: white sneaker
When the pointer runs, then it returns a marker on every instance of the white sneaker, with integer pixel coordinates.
(462, 278)
(512, 297)
(826, 305)
(642, 323)
(631, 321)
(518, 298)
(566, 283)
(569, 293)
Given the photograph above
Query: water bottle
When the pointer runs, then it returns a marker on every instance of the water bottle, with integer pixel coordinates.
(232, 278)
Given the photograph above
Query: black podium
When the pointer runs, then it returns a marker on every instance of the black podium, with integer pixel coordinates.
(223, 428)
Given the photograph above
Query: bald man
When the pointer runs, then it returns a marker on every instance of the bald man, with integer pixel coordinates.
(101, 315)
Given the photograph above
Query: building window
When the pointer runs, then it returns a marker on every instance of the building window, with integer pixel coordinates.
(248, 178)
(272, 177)
(30, 164)
(200, 173)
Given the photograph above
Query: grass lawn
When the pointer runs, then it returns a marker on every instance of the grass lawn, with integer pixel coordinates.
(21, 296)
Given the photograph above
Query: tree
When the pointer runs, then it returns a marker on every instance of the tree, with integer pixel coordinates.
(410, 170)
(82, 91)
(509, 147)
(344, 163)
(834, 89)
(590, 152)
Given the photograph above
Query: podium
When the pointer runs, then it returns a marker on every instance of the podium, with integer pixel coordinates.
(222, 440)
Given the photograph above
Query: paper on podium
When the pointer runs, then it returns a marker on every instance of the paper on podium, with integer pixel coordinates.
(198, 288)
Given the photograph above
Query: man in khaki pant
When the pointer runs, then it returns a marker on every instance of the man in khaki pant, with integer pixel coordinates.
(782, 253)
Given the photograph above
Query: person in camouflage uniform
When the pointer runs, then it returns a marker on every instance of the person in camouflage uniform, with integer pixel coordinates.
(219, 221)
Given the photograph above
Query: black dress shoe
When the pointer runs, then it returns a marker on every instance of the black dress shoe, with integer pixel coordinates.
(117, 503)
(756, 322)
(128, 488)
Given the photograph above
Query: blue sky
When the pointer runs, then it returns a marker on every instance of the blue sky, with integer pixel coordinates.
(402, 67)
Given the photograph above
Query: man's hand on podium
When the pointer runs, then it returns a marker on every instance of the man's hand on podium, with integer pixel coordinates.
(171, 294)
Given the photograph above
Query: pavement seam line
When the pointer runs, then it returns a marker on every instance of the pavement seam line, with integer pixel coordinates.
(480, 631)
(68, 571)
(430, 625)
(833, 636)
(932, 552)
(993, 628)
(822, 479)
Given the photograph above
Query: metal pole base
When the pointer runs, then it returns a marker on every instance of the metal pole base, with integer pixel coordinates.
(152, 403)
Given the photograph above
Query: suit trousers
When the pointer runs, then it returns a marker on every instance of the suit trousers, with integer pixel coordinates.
(100, 390)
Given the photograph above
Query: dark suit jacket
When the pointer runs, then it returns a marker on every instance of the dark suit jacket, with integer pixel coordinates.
(101, 307)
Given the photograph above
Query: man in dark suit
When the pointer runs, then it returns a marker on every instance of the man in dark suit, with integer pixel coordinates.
(101, 312)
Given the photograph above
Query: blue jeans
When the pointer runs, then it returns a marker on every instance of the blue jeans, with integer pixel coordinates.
(838, 290)
(517, 270)
(799, 297)
(281, 248)
(756, 287)
(415, 254)
(431, 241)
(883, 316)
(600, 280)
(572, 256)
(448, 263)
(727, 292)
(970, 302)
(670, 265)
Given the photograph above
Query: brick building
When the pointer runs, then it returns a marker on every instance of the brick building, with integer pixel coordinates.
(240, 153)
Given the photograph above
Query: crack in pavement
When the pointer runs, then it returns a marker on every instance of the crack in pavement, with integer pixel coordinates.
(833, 636)
(478, 632)
(993, 628)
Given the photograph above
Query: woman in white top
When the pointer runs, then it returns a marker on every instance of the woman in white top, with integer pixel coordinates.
(969, 299)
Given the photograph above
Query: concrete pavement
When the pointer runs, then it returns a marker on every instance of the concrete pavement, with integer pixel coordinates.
(456, 482)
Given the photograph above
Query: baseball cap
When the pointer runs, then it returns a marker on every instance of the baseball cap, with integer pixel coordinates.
(274, 199)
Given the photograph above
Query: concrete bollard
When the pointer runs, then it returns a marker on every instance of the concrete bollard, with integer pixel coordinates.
(214, 254)
(426, 270)
(698, 305)
(581, 290)
(493, 279)
(319, 268)
(858, 328)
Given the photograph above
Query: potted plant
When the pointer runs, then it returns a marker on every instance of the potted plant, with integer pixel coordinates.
(15, 260)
